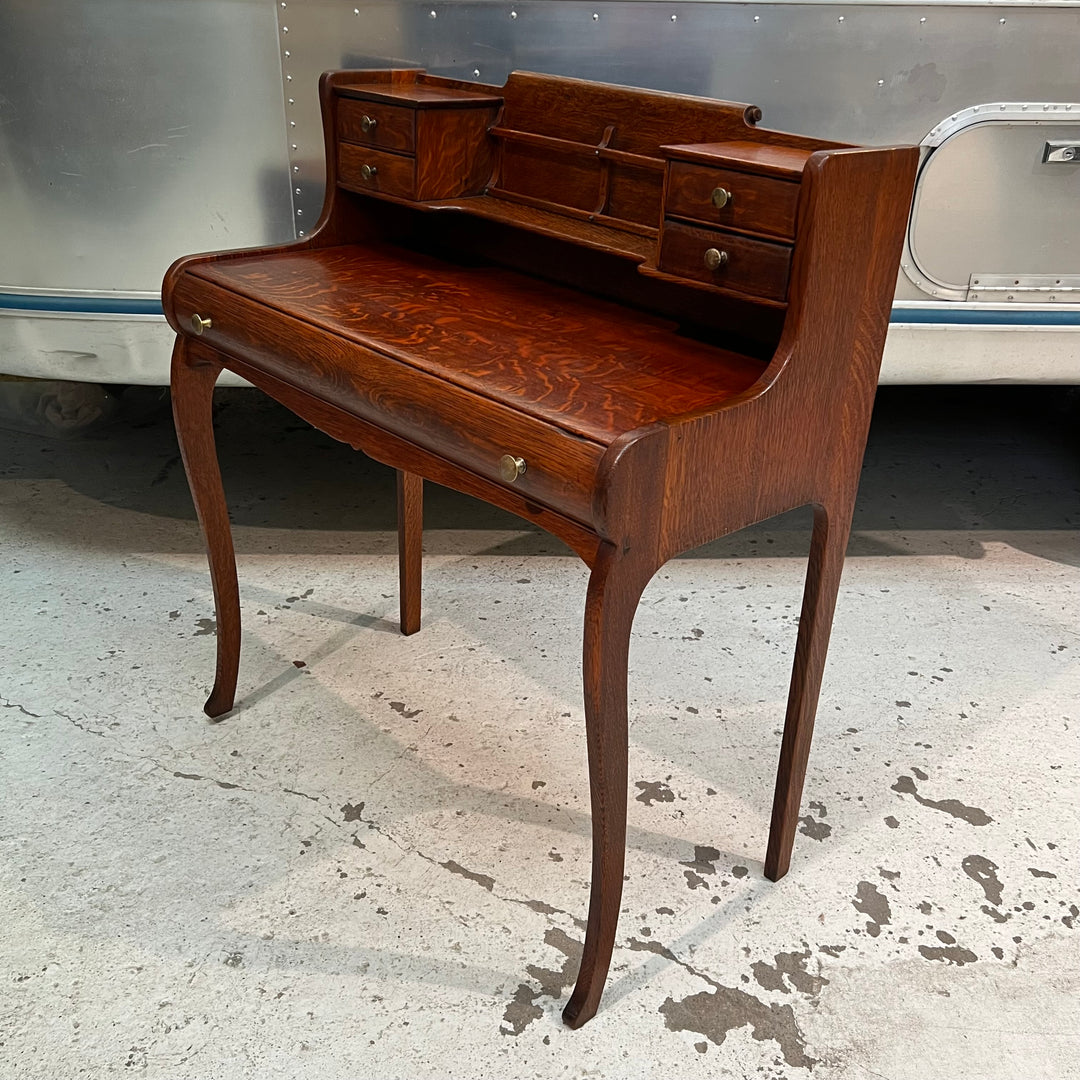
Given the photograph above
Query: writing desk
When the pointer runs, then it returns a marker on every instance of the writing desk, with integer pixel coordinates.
(635, 319)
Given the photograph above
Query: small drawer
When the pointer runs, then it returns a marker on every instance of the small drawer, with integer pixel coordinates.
(736, 199)
(391, 127)
(362, 169)
(727, 260)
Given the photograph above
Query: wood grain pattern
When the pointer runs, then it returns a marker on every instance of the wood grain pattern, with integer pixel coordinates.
(394, 125)
(758, 204)
(588, 366)
(194, 373)
(398, 453)
(410, 525)
(418, 90)
(428, 410)
(392, 174)
(756, 267)
(756, 158)
(438, 335)
(454, 154)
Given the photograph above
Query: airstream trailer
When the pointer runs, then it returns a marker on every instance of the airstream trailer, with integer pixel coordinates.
(132, 131)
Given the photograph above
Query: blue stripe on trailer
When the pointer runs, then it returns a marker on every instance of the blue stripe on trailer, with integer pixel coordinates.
(950, 316)
(85, 305)
(959, 316)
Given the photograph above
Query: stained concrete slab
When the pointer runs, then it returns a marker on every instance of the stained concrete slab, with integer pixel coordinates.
(377, 865)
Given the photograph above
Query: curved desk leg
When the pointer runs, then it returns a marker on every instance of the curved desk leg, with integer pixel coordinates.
(410, 523)
(615, 586)
(194, 374)
(826, 563)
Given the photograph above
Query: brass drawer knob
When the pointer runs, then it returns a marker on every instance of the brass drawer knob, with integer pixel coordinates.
(510, 468)
(715, 258)
(367, 124)
(368, 171)
(721, 197)
(199, 324)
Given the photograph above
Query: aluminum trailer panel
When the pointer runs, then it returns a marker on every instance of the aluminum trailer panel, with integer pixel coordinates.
(132, 131)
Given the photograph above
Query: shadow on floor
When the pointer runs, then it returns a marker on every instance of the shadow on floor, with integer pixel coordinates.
(946, 469)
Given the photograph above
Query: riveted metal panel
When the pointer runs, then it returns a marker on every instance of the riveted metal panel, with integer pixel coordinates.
(988, 207)
(133, 131)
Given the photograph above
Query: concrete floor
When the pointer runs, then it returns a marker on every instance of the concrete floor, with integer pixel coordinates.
(377, 866)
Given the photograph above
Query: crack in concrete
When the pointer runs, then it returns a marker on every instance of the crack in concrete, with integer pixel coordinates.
(4, 703)
(659, 949)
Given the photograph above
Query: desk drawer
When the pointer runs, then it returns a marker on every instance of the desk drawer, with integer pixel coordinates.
(362, 169)
(391, 127)
(744, 265)
(459, 425)
(757, 203)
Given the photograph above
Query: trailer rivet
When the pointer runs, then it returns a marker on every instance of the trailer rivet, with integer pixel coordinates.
(881, 82)
(476, 73)
(1001, 22)
(513, 14)
(923, 19)
(840, 19)
(433, 14)
(296, 168)
(674, 18)
(757, 18)
(595, 16)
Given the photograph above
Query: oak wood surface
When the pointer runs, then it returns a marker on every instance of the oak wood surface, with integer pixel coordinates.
(473, 431)
(535, 315)
(758, 204)
(588, 366)
(394, 125)
(410, 526)
(754, 158)
(454, 157)
(756, 267)
(428, 93)
(369, 170)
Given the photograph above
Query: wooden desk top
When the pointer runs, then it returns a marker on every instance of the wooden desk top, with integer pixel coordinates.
(592, 367)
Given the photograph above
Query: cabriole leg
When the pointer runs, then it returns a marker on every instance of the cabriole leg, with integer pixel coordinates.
(615, 586)
(819, 600)
(194, 373)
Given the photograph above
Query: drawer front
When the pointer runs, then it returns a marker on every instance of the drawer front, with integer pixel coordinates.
(757, 203)
(390, 127)
(469, 430)
(727, 260)
(362, 169)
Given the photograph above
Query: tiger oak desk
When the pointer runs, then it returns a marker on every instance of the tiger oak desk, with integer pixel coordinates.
(634, 319)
